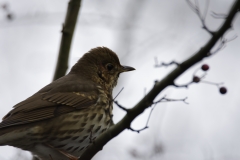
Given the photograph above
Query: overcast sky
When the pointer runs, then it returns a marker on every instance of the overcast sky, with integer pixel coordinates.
(138, 31)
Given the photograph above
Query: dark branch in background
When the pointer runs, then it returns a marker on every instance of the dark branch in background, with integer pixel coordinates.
(67, 33)
(147, 101)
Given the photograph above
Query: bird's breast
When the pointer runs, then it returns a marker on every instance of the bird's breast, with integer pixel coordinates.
(75, 131)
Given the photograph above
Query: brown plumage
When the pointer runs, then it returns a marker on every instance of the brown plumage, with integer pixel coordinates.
(62, 119)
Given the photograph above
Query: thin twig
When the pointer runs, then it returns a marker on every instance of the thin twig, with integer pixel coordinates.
(120, 106)
(196, 9)
(217, 84)
(218, 15)
(164, 64)
(146, 126)
(222, 44)
(138, 131)
(118, 93)
(206, 9)
(164, 99)
(150, 114)
(182, 86)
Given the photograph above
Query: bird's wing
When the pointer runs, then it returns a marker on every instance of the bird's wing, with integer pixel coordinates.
(45, 105)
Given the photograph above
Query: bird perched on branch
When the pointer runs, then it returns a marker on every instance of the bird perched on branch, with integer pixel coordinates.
(62, 119)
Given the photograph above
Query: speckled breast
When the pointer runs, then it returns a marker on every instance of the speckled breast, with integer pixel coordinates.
(79, 129)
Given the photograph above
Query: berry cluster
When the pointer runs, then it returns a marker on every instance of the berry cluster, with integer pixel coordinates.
(196, 79)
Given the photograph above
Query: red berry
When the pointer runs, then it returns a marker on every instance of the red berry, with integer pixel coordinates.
(196, 79)
(223, 90)
(205, 67)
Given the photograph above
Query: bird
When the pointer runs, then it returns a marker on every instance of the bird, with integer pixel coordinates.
(63, 118)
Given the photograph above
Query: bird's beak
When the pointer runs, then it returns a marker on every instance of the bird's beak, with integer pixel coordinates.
(127, 68)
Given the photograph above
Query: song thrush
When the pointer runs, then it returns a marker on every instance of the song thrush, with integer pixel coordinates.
(62, 119)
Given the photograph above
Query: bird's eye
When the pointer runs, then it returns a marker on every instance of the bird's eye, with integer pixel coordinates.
(109, 66)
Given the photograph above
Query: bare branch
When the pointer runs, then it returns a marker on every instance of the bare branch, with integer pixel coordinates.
(123, 124)
(67, 33)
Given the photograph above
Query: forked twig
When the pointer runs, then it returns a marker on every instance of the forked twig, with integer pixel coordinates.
(163, 99)
(164, 64)
(196, 9)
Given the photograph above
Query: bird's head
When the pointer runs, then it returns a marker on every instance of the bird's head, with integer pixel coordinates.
(100, 65)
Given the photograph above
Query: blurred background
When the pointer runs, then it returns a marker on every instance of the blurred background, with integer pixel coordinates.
(207, 128)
